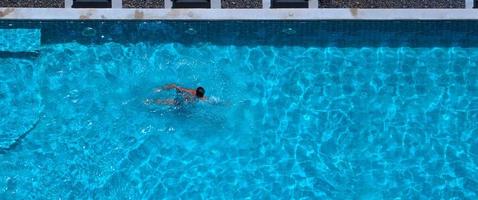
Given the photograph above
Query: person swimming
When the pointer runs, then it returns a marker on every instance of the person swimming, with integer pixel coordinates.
(183, 95)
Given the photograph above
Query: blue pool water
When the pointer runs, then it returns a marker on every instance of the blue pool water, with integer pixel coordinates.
(303, 110)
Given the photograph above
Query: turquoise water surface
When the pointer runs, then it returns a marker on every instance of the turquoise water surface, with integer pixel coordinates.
(301, 110)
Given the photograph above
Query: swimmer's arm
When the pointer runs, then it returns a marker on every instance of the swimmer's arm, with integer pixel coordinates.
(174, 86)
(192, 92)
(166, 87)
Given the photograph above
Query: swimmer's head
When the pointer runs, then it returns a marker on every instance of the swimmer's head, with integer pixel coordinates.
(200, 92)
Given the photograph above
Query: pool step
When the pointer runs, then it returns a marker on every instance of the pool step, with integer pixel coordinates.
(20, 40)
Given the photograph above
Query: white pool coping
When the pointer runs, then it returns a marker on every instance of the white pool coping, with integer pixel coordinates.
(236, 14)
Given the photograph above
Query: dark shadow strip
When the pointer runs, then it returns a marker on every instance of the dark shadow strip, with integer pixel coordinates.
(19, 139)
(20, 55)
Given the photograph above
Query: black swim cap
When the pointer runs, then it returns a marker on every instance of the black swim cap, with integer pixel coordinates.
(200, 92)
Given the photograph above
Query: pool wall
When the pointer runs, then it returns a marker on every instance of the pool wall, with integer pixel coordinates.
(305, 33)
(238, 14)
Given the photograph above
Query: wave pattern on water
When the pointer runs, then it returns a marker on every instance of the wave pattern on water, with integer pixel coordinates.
(328, 122)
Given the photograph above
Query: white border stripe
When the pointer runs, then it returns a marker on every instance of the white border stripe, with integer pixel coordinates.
(216, 4)
(238, 14)
(266, 4)
(313, 3)
(68, 3)
(117, 3)
(168, 3)
(469, 4)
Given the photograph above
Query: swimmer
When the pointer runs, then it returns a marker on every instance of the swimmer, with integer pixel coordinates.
(183, 95)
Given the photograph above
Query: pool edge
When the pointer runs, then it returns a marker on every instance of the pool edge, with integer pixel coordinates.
(236, 14)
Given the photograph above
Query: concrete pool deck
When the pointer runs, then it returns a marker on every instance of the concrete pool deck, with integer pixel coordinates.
(236, 14)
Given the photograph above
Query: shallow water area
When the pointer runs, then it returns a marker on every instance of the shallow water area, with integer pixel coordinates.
(332, 119)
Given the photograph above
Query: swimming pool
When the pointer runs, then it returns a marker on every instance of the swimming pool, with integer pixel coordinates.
(305, 110)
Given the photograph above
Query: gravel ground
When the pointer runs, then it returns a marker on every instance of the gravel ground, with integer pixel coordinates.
(392, 3)
(241, 3)
(143, 3)
(33, 3)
